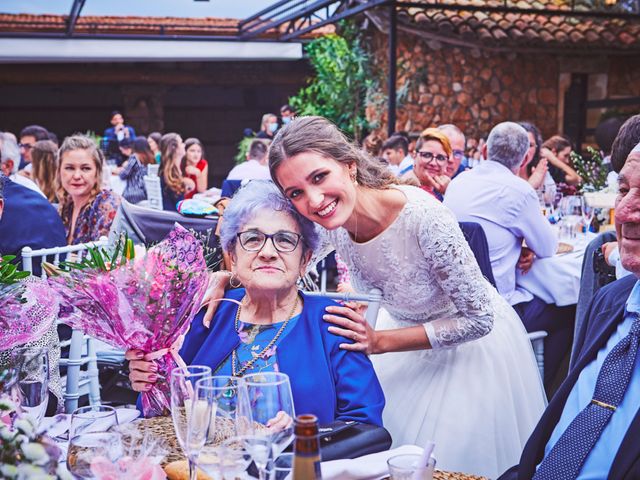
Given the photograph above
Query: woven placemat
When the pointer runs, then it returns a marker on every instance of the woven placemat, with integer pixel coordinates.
(440, 475)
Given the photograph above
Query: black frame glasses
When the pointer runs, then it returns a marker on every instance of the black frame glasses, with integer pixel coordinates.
(429, 156)
(283, 241)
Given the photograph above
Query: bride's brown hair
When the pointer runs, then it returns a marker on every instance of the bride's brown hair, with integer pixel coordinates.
(320, 136)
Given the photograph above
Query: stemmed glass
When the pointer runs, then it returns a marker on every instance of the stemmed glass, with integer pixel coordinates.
(220, 410)
(272, 408)
(238, 453)
(30, 390)
(571, 210)
(183, 388)
(588, 213)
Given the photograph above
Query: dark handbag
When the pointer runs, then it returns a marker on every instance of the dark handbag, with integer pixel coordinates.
(352, 439)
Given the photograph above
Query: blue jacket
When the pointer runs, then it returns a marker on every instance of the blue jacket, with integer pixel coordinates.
(331, 383)
(602, 320)
(29, 220)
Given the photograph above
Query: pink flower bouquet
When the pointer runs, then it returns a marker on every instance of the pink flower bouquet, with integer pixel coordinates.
(146, 304)
(27, 310)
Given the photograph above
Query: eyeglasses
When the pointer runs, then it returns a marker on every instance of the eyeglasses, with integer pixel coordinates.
(26, 146)
(428, 156)
(283, 241)
(458, 153)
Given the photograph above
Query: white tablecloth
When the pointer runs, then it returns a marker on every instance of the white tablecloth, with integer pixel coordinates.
(557, 279)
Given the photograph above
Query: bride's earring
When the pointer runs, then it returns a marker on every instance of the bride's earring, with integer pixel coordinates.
(354, 177)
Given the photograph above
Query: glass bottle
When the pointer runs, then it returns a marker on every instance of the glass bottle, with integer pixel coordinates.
(306, 460)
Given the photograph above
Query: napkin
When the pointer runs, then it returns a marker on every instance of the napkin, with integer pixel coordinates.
(368, 467)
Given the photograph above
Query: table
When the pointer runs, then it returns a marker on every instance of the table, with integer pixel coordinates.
(557, 279)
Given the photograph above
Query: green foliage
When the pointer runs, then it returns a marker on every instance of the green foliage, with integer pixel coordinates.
(101, 259)
(341, 82)
(94, 136)
(243, 149)
(9, 272)
(591, 169)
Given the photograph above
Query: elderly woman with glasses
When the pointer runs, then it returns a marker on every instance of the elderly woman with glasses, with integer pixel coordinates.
(276, 327)
(433, 152)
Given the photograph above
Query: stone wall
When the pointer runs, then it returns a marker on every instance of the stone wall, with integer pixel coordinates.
(472, 89)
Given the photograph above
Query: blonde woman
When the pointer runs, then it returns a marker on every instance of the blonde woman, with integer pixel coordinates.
(87, 210)
(43, 159)
(174, 184)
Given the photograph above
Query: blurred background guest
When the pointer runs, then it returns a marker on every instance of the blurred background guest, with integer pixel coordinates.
(87, 210)
(268, 126)
(432, 155)
(114, 135)
(174, 184)
(556, 151)
(154, 144)
(287, 113)
(457, 161)
(28, 137)
(135, 169)
(195, 166)
(372, 144)
(534, 169)
(396, 152)
(44, 159)
(255, 168)
(10, 162)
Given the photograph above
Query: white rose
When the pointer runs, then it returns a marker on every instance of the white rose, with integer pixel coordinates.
(6, 434)
(25, 426)
(35, 452)
(32, 472)
(9, 471)
(62, 473)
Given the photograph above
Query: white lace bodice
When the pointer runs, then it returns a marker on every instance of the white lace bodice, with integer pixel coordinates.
(425, 269)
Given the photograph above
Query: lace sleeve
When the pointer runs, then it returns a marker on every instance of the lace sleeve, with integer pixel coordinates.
(455, 269)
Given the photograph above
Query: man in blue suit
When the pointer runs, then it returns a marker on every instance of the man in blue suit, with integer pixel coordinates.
(27, 219)
(591, 428)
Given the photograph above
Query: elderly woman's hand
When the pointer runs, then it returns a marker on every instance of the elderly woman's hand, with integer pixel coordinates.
(280, 422)
(351, 325)
(142, 373)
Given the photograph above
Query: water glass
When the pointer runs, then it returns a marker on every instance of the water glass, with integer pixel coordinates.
(588, 212)
(407, 467)
(281, 467)
(92, 419)
(183, 387)
(271, 402)
(239, 452)
(98, 447)
(220, 410)
(31, 382)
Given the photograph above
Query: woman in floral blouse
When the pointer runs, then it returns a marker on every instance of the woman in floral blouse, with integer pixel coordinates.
(87, 210)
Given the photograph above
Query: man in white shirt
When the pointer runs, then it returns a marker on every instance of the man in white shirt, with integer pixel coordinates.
(255, 168)
(507, 208)
(10, 162)
(396, 152)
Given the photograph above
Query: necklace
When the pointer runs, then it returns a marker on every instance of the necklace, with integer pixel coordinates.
(249, 364)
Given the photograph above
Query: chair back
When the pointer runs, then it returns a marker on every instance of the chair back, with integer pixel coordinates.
(373, 299)
(477, 240)
(154, 191)
(81, 347)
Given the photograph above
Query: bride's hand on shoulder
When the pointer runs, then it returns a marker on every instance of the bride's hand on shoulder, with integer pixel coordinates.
(351, 324)
(218, 281)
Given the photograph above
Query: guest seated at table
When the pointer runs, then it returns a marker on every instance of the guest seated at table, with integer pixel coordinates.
(44, 160)
(10, 160)
(556, 151)
(135, 169)
(508, 210)
(432, 154)
(591, 427)
(154, 143)
(535, 169)
(277, 327)
(255, 168)
(87, 209)
(195, 166)
(174, 184)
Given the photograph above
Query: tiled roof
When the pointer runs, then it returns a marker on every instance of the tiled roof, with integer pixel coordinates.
(527, 30)
(130, 25)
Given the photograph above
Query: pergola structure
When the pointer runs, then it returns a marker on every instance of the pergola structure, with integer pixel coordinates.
(289, 20)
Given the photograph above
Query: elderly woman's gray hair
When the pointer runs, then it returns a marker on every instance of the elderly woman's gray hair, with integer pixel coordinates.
(507, 144)
(253, 199)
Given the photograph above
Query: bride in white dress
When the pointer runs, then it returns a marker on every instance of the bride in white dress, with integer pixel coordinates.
(452, 356)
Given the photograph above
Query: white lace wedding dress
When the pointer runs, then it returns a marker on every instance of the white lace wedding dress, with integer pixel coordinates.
(477, 394)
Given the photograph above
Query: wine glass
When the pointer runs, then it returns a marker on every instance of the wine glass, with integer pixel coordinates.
(92, 419)
(272, 408)
(221, 406)
(588, 213)
(93, 447)
(182, 384)
(30, 390)
(238, 453)
(571, 210)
